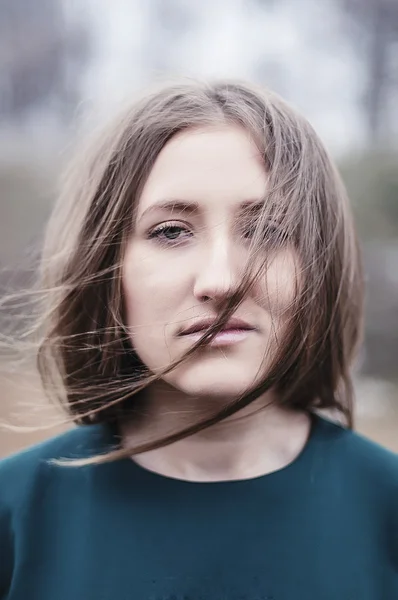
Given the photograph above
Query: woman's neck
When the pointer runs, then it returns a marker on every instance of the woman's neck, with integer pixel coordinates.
(258, 440)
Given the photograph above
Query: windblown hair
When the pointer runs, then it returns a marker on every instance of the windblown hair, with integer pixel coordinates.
(85, 346)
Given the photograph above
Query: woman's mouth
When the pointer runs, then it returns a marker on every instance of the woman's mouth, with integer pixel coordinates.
(234, 331)
(226, 337)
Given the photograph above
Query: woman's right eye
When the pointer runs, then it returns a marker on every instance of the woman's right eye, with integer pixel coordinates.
(170, 234)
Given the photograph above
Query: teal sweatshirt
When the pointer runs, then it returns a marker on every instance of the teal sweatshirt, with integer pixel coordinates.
(323, 528)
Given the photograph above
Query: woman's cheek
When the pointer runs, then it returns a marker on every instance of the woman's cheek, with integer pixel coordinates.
(280, 283)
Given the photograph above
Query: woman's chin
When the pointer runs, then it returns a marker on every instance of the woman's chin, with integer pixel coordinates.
(227, 382)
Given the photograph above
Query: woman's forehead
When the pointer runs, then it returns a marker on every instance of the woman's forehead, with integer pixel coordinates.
(204, 167)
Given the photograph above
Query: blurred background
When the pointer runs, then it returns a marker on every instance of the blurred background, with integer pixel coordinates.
(65, 65)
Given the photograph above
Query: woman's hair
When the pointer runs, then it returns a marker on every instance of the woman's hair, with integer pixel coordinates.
(85, 348)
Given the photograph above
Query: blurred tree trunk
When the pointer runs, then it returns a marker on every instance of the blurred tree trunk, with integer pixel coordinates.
(377, 73)
(42, 57)
(373, 29)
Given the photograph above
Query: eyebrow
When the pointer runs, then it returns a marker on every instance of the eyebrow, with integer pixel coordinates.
(183, 206)
(179, 206)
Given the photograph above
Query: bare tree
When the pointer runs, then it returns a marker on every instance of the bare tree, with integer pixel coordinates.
(373, 28)
(40, 58)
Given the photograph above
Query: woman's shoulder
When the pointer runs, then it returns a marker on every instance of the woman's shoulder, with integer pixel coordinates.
(27, 477)
(69, 444)
(32, 465)
(358, 455)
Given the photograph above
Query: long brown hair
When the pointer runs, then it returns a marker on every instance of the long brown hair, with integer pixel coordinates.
(85, 346)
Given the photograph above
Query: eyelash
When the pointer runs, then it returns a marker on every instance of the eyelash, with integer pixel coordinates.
(158, 233)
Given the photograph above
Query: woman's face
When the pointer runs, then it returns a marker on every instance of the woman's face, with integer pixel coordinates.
(188, 254)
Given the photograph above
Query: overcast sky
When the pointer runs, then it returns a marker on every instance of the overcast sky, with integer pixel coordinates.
(295, 47)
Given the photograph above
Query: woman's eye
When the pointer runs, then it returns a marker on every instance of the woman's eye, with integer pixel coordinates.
(170, 234)
(249, 230)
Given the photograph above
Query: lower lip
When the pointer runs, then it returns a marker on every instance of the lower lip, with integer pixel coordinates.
(227, 337)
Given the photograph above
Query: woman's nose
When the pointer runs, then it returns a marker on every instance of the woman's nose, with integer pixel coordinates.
(218, 273)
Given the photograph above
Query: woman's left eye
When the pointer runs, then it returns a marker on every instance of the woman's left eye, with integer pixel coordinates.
(249, 229)
(170, 234)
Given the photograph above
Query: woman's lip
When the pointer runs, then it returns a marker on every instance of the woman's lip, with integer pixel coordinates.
(226, 337)
(205, 324)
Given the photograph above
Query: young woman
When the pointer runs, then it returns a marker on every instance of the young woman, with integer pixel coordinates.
(204, 303)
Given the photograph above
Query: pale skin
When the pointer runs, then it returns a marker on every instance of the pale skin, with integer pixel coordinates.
(187, 254)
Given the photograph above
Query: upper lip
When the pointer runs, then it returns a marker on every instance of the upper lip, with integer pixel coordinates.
(204, 324)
